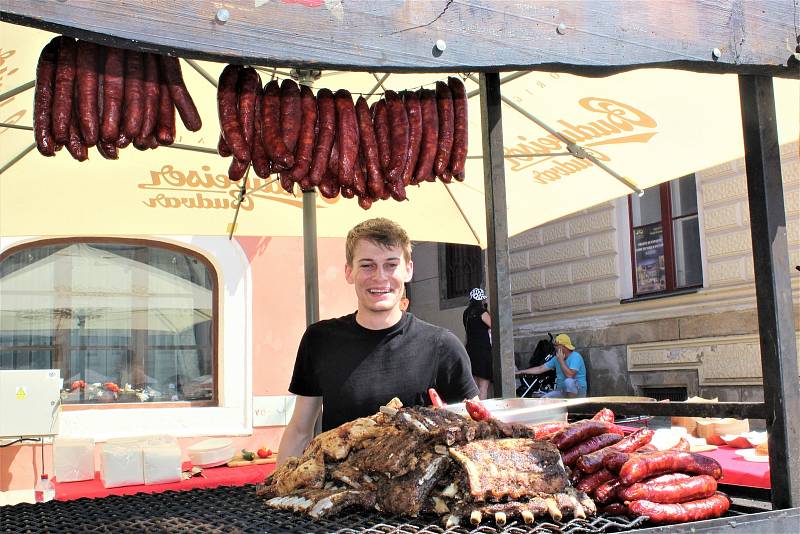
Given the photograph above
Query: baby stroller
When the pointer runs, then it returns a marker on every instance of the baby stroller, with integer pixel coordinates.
(532, 386)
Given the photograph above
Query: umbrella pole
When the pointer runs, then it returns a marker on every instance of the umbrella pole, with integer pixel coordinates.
(310, 265)
(499, 284)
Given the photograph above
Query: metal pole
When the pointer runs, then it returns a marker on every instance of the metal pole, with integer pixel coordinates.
(310, 265)
(499, 286)
(773, 287)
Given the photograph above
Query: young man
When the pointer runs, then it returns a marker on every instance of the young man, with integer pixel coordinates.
(569, 366)
(352, 365)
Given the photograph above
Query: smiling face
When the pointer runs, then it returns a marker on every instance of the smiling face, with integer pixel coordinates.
(378, 274)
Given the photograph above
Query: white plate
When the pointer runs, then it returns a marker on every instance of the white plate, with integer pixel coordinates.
(751, 456)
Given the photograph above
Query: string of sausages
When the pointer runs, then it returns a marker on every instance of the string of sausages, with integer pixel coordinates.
(626, 475)
(93, 95)
(328, 141)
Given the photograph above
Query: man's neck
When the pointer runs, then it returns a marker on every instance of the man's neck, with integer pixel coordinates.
(378, 320)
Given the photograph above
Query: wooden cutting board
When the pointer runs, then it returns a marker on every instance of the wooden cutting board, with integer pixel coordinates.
(238, 462)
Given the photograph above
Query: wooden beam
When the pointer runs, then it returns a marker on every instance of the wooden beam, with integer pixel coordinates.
(590, 37)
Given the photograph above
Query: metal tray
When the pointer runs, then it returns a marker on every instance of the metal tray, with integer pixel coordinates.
(516, 410)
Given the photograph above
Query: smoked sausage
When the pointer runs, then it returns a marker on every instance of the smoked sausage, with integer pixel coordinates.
(346, 136)
(570, 456)
(249, 88)
(369, 148)
(328, 186)
(581, 431)
(291, 114)
(74, 144)
(171, 70)
(133, 110)
(222, 147)
(657, 463)
(305, 144)
(259, 159)
(671, 491)
(63, 91)
(430, 137)
(43, 99)
(458, 158)
(165, 120)
(380, 121)
(414, 112)
(326, 126)
(276, 149)
(86, 72)
(150, 99)
(237, 169)
(227, 109)
(444, 105)
(398, 135)
(113, 88)
(708, 508)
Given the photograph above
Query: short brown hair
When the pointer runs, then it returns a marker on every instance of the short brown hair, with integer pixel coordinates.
(380, 231)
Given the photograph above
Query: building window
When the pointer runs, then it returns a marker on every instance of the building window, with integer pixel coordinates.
(665, 238)
(460, 269)
(125, 321)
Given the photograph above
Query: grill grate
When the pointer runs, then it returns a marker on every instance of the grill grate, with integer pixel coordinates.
(238, 509)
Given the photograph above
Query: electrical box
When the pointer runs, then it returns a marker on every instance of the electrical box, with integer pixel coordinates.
(30, 402)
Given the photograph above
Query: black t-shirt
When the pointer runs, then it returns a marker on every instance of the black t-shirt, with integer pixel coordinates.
(356, 370)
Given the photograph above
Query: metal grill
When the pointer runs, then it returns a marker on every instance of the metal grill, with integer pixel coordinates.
(238, 509)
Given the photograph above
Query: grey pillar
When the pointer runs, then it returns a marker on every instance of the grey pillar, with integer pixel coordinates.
(494, 180)
(310, 264)
(773, 287)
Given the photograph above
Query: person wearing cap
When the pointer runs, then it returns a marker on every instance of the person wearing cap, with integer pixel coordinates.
(350, 366)
(569, 366)
(477, 324)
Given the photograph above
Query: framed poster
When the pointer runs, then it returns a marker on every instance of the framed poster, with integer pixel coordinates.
(648, 246)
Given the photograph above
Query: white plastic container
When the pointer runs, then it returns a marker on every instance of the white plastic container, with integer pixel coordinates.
(73, 459)
(162, 462)
(121, 462)
(211, 452)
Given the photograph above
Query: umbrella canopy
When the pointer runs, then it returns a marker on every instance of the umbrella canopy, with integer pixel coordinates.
(93, 289)
(649, 125)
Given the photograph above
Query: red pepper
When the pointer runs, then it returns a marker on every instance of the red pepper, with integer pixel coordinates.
(436, 400)
(477, 411)
(263, 452)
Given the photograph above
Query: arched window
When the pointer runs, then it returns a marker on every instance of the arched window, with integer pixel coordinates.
(125, 321)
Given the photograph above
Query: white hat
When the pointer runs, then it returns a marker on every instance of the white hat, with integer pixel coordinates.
(477, 294)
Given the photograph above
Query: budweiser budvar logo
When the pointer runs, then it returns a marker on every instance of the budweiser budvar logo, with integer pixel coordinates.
(174, 188)
(617, 123)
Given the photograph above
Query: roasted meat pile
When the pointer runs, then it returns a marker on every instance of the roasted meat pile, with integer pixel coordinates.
(416, 460)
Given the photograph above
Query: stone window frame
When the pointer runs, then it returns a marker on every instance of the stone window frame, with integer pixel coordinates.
(449, 302)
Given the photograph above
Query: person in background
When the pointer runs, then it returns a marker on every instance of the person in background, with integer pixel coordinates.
(477, 324)
(350, 366)
(569, 366)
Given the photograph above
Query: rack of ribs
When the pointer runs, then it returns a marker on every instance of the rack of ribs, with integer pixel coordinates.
(418, 460)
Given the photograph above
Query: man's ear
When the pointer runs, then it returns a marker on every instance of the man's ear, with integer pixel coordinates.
(410, 269)
(348, 274)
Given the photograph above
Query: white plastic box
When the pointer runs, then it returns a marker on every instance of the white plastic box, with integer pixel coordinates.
(73, 459)
(121, 462)
(162, 462)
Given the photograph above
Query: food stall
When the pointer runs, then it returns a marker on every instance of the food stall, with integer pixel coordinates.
(414, 23)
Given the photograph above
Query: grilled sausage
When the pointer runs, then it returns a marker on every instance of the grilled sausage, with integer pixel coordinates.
(708, 508)
(398, 134)
(590, 482)
(658, 463)
(603, 415)
(615, 508)
(547, 430)
(133, 111)
(63, 92)
(113, 88)
(430, 137)
(607, 491)
(171, 70)
(444, 105)
(43, 99)
(273, 142)
(165, 121)
(589, 463)
(581, 431)
(671, 491)
(86, 72)
(476, 410)
(369, 148)
(150, 100)
(346, 136)
(305, 144)
(414, 112)
(458, 158)
(227, 109)
(570, 456)
(380, 121)
(326, 126)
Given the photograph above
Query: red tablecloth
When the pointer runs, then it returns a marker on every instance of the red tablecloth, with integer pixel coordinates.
(738, 471)
(214, 476)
